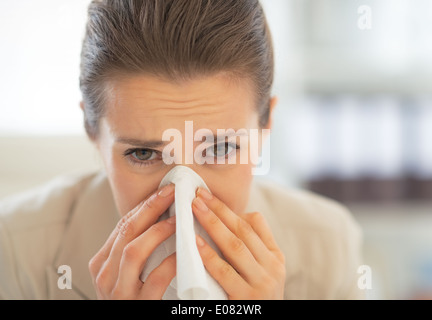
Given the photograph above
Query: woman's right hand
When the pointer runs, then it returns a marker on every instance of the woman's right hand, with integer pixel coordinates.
(117, 266)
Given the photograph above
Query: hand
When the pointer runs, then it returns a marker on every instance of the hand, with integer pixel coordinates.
(255, 266)
(117, 267)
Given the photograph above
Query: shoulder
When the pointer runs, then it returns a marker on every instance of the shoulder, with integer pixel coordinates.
(319, 237)
(32, 224)
(47, 204)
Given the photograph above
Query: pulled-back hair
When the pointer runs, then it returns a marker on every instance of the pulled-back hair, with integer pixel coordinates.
(175, 40)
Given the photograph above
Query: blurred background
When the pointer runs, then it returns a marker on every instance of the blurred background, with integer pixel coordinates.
(354, 120)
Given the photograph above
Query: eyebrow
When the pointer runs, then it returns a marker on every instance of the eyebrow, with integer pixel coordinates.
(141, 143)
(144, 144)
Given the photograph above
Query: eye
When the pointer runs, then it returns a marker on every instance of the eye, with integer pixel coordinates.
(142, 156)
(221, 149)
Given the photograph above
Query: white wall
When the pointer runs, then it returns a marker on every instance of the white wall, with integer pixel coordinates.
(39, 62)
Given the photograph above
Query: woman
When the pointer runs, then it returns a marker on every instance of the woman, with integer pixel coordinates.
(147, 67)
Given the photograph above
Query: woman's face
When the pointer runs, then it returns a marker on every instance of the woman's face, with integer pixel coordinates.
(140, 109)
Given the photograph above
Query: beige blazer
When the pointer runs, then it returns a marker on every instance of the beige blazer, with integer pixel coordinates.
(67, 220)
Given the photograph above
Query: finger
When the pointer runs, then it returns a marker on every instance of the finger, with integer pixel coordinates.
(159, 279)
(137, 252)
(263, 230)
(239, 226)
(136, 224)
(142, 219)
(101, 256)
(106, 248)
(233, 248)
(220, 270)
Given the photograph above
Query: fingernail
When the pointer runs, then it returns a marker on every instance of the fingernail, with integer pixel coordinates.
(200, 204)
(204, 193)
(166, 191)
(171, 220)
(199, 241)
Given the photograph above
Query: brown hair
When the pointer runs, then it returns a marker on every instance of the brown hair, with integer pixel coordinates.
(174, 39)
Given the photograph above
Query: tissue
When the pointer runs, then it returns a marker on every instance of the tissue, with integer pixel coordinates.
(192, 281)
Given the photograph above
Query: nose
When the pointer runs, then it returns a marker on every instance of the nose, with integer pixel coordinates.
(197, 168)
(201, 170)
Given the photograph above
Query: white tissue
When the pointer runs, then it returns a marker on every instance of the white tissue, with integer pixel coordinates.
(192, 281)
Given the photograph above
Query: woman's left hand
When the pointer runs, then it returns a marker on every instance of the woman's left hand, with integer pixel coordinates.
(255, 266)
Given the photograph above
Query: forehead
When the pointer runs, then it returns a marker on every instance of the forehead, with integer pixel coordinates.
(145, 104)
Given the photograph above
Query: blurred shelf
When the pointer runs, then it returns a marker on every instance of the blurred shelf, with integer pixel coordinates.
(401, 190)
